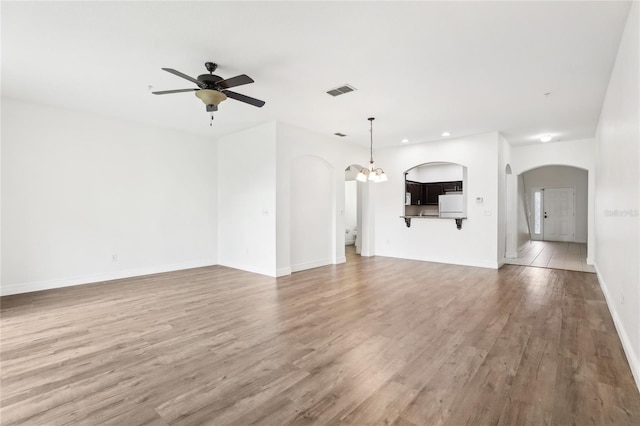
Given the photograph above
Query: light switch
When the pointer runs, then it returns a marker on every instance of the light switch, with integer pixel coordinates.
(479, 200)
(487, 212)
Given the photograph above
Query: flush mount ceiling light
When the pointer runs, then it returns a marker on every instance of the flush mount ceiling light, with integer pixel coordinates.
(545, 138)
(445, 134)
(372, 173)
(405, 140)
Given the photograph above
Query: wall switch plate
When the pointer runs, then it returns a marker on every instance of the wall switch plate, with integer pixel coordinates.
(487, 212)
(479, 200)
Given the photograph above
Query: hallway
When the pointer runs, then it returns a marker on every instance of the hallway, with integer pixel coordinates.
(554, 255)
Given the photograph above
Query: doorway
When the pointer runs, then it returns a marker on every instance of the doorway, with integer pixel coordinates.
(552, 214)
(551, 211)
(352, 211)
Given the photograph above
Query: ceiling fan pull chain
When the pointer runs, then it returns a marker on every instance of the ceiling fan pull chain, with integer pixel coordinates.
(211, 120)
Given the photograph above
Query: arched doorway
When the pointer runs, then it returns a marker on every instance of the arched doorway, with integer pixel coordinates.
(552, 224)
(352, 210)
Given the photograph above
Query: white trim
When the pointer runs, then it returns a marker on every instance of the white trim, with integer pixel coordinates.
(310, 265)
(281, 272)
(340, 259)
(511, 255)
(28, 287)
(632, 357)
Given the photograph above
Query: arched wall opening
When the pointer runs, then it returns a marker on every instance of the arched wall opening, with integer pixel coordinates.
(435, 189)
(353, 207)
(525, 212)
(575, 153)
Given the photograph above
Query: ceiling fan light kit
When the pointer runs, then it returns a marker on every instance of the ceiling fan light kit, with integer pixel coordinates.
(373, 173)
(211, 97)
(213, 89)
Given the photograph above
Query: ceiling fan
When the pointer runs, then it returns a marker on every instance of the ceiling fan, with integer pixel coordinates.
(212, 89)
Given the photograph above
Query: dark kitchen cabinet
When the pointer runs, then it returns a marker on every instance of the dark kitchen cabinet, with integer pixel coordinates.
(428, 193)
(451, 186)
(434, 190)
(417, 193)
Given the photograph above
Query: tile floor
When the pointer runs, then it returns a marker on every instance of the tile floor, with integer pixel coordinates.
(554, 255)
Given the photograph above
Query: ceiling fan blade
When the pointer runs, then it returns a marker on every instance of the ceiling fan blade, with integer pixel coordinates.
(166, 92)
(244, 98)
(238, 80)
(186, 77)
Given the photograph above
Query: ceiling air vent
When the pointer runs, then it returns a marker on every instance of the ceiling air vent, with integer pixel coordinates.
(341, 90)
(342, 135)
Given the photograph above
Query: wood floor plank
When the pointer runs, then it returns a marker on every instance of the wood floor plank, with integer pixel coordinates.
(373, 341)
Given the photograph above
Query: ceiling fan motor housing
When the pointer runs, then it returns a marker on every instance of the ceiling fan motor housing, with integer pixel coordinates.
(209, 80)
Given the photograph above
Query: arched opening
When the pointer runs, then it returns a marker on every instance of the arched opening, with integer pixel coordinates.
(552, 218)
(352, 210)
(435, 190)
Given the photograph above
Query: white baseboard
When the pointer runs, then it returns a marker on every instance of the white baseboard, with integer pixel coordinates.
(632, 357)
(340, 259)
(511, 255)
(311, 265)
(281, 272)
(7, 290)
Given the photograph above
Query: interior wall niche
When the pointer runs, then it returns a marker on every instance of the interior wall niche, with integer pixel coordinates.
(436, 190)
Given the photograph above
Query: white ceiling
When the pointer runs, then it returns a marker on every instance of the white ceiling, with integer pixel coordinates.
(420, 68)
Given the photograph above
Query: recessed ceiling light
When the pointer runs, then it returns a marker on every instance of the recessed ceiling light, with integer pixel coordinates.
(546, 138)
(405, 140)
(445, 134)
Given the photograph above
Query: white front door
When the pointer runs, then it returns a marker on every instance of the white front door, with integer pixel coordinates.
(559, 214)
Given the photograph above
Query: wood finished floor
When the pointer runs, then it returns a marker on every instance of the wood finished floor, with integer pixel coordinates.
(373, 341)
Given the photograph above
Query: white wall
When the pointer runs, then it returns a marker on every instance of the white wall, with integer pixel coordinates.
(247, 200)
(294, 144)
(563, 177)
(617, 221)
(435, 173)
(79, 188)
(504, 157)
(350, 210)
(523, 231)
(434, 239)
(313, 217)
(576, 153)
